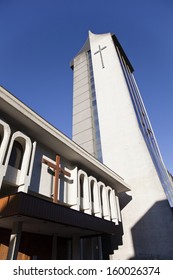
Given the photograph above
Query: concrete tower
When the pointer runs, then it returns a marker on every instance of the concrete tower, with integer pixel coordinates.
(111, 122)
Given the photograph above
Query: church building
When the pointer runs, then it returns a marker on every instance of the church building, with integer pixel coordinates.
(105, 194)
(57, 201)
(111, 123)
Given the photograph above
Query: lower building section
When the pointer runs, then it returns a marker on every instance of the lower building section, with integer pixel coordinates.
(32, 246)
(32, 228)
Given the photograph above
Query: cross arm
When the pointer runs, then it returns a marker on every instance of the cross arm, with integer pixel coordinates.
(50, 164)
(55, 167)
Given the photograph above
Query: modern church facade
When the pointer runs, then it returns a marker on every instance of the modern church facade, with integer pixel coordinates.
(110, 121)
(104, 195)
(56, 200)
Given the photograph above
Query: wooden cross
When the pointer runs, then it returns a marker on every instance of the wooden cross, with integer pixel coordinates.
(58, 170)
(100, 51)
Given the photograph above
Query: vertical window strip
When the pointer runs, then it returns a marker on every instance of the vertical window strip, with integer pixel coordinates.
(97, 144)
(150, 141)
(147, 118)
(136, 107)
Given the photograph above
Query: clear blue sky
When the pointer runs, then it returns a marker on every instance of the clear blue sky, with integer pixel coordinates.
(38, 38)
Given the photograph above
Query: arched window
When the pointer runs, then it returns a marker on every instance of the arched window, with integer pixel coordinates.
(101, 198)
(94, 196)
(1, 134)
(16, 155)
(109, 201)
(92, 191)
(104, 201)
(82, 185)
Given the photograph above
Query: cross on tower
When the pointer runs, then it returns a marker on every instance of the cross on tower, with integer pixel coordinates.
(58, 170)
(100, 51)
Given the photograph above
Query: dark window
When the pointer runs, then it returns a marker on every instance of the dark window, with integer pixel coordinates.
(81, 185)
(109, 200)
(101, 196)
(16, 155)
(92, 191)
(1, 134)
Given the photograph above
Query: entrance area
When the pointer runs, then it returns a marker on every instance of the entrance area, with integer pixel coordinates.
(32, 228)
(41, 247)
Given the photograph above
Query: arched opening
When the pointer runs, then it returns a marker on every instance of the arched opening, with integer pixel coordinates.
(4, 138)
(83, 186)
(109, 201)
(92, 191)
(17, 162)
(1, 134)
(81, 180)
(104, 201)
(16, 156)
(101, 198)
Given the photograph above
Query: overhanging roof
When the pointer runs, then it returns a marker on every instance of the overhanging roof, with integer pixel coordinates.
(45, 217)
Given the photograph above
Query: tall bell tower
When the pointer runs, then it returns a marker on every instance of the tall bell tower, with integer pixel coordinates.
(110, 122)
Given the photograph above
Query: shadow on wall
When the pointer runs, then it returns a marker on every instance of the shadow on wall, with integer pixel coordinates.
(124, 199)
(153, 234)
(111, 243)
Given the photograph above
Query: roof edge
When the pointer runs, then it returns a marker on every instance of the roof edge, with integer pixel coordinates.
(117, 43)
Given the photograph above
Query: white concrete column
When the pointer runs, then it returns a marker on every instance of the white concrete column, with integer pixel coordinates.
(104, 201)
(94, 196)
(84, 192)
(14, 241)
(76, 248)
(5, 131)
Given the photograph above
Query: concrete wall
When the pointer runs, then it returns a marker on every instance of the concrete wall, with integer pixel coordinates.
(147, 217)
(80, 191)
(82, 112)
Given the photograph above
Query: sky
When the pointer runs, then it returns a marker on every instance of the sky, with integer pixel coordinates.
(39, 38)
